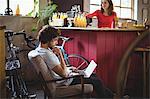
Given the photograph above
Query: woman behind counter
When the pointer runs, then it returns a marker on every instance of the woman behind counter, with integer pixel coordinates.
(106, 16)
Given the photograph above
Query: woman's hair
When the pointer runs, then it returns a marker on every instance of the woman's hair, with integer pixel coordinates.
(110, 8)
(47, 33)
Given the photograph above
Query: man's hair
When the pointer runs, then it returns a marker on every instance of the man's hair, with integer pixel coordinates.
(47, 33)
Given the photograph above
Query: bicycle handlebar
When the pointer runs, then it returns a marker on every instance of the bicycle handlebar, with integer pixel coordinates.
(65, 38)
(29, 39)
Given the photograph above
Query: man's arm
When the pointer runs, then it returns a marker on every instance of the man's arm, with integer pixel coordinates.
(60, 69)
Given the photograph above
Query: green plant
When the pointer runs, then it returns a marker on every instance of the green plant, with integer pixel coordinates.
(47, 12)
(44, 15)
(35, 12)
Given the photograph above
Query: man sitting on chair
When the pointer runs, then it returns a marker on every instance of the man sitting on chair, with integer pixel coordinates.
(48, 38)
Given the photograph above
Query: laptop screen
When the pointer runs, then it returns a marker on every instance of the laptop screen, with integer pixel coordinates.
(89, 70)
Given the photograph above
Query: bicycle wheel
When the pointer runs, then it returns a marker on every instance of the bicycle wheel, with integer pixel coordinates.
(22, 87)
(77, 61)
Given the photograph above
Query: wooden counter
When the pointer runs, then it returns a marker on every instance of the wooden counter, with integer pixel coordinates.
(2, 63)
(99, 29)
(105, 46)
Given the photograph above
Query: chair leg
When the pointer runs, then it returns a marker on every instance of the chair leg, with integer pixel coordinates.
(44, 95)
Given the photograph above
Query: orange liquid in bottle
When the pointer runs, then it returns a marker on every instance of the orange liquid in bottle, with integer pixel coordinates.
(18, 10)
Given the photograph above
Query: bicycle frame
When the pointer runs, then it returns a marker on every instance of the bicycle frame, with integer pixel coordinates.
(61, 47)
(81, 61)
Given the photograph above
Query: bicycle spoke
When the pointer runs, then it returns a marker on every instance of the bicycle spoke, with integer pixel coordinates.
(80, 65)
(78, 61)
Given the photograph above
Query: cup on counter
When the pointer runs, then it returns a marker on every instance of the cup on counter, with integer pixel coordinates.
(124, 24)
(130, 25)
(140, 22)
(119, 24)
(56, 22)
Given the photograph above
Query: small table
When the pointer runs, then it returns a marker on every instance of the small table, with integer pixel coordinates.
(146, 62)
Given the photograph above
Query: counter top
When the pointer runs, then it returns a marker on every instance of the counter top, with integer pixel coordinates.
(100, 29)
(2, 27)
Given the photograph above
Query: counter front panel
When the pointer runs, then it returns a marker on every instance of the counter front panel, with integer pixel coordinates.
(106, 47)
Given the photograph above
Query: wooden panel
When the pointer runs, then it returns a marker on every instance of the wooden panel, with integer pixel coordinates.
(145, 1)
(2, 64)
(92, 46)
(113, 45)
(101, 55)
(83, 43)
(145, 13)
(105, 47)
(144, 10)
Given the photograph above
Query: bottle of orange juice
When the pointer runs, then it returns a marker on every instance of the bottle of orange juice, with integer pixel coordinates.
(17, 10)
(81, 20)
(78, 20)
(84, 21)
(116, 22)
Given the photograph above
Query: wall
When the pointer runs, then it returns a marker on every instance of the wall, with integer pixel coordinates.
(144, 10)
(65, 5)
(85, 4)
(2, 63)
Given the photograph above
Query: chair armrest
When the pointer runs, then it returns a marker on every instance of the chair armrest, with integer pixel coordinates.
(64, 78)
(73, 76)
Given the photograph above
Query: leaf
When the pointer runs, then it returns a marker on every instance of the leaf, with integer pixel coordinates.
(34, 29)
(47, 11)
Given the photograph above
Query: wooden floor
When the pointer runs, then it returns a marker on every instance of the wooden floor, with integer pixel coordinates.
(35, 89)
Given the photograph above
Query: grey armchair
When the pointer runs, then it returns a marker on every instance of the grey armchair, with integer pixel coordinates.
(49, 85)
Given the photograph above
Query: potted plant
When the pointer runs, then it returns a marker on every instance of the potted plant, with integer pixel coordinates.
(47, 12)
(44, 15)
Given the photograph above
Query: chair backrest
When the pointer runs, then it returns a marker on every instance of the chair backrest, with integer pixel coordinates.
(44, 73)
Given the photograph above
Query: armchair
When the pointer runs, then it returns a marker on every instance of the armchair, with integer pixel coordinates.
(49, 85)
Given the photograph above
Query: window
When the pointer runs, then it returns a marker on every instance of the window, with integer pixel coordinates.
(94, 5)
(123, 8)
(27, 7)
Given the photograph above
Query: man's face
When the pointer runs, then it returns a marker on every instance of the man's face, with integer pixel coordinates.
(53, 42)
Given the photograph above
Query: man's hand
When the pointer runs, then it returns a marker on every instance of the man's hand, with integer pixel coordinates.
(74, 69)
(57, 51)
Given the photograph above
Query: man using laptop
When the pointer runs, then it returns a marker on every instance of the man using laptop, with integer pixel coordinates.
(48, 38)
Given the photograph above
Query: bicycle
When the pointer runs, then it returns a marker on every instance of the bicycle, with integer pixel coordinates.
(14, 80)
(74, 60)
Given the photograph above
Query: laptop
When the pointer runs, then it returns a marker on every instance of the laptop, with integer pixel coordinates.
(88, 71)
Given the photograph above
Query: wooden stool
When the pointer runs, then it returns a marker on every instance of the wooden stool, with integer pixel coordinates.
(146, 62)
(124, 64)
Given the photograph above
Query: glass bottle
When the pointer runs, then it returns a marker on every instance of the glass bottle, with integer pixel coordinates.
(17, 10)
